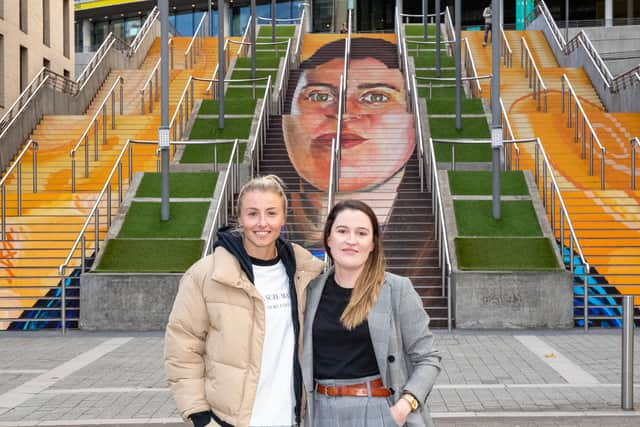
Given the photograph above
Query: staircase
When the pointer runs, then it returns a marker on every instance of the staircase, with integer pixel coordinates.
(404, 211)
(39, 240)
(605, 221)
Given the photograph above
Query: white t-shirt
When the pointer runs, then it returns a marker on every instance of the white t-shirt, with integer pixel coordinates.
(275, 397)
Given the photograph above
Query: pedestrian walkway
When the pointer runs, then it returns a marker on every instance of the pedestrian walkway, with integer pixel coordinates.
(489, 378)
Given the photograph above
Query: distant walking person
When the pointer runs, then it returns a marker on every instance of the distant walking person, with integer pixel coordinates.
(343, 28)
(487, 14)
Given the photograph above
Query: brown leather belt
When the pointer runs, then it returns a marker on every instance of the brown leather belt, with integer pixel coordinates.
(376, 386)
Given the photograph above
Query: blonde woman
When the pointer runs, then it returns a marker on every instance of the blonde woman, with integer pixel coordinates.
(368, 359)
(231, 344)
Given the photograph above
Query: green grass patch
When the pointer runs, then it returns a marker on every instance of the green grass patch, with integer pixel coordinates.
(205, 153)
(233, 128)
(182, 184)
(429, 60)
(506, 254)
(432, 73)
(448, 106)
(281, 30)
(464, 153)
(475, 218)
(265, 61)
(418, 30)
(149, 256)
(512, 183)
(246, 74)
(231, 106)
(245, 92)
(472, 127)
(143, 220)
(448, 92)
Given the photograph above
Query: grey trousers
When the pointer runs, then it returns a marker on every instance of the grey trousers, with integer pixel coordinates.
(351, 411)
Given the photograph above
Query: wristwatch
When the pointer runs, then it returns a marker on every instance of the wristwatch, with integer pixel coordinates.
(411, 400)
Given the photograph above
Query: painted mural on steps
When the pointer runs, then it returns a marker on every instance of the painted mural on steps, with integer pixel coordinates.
(378, 135)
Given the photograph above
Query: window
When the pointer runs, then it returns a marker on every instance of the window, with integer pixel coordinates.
(24, 68)
(79, 36)
(66, 27)
(1, 17)
(46, 63)
(46, 30)
(24, 16)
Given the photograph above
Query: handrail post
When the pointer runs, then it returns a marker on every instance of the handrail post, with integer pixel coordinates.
(96, 129)
(633, 165)
(35, 166)
(63, 304)
(586, 296)
(627, 352)
(121, 95)
(142, 101)
(4, 212)
(113, 111)
(97, 232)
(19, 185)
(104, 126)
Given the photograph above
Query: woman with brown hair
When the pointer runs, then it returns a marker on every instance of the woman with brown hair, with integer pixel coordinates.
(367, 355)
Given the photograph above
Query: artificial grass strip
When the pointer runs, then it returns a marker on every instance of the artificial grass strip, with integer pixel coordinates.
(233, 128)
(447, 90)
(231, 106)
(261, 62)
(470, 153)
(143, 220)
(418, 30)
(506, 254)
(281, 30)
(467, 183)
(475, 218)
(204, 153)
(181, 184)
(245, 92)
(428, 59)
(246, 74)
(448, 106)
(149, 256)
(432, 73)
(472, 127)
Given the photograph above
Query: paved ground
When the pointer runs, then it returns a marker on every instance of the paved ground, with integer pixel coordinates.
(489, 378)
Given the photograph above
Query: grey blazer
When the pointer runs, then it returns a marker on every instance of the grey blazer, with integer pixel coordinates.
(401, 338)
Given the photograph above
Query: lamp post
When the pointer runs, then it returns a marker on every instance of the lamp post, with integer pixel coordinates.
(437, 38)
(425, 19)
(221, 64)
(496, 114)
(566, 20)
(273, 21)
(458, 19)
(253, 39)
(163, 130)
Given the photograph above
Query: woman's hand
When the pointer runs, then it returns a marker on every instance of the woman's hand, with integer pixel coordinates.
(400, 411)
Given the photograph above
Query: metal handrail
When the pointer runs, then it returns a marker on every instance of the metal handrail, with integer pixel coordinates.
(260, 135)
(110, 41)
(281, 90)
(398, 31)
(242, 52)
(532, 73)
(555, 31)
(153, 15)
(17, 165)
(147, 84)
(277, 19)
(633, 142)
(196, 41)
(95, 123)
(582, 38)
(214, 75)
(470, 69)
(346, 59)
(509, 135)
(341, 102)
(183, 107)
(449, 30)
(94, 216)
(410, 15)
(230, 186)
(585, 123)
(405, 71)
(620, 81)
(441, 232)
(419, 136)
(505, 49)
(298, 43)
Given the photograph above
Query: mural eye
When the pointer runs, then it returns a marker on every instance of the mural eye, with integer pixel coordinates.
(317, 96)
(374, 98)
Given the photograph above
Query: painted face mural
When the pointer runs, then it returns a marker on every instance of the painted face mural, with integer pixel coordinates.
(378, 135)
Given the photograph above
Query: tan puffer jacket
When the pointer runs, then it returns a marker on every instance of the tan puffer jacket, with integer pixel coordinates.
(214, 338)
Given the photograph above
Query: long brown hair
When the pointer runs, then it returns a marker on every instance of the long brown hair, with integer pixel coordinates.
(367, 286)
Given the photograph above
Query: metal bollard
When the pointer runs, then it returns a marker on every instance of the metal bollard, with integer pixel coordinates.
(627, 352)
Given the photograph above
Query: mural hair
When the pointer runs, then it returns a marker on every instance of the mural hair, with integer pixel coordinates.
(367, 286)
(362, 47)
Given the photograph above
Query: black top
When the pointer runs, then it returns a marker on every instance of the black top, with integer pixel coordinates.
(337, 352)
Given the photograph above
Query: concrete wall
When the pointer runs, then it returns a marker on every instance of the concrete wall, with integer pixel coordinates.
(619, 46)
(624, 101)
(127, 301)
